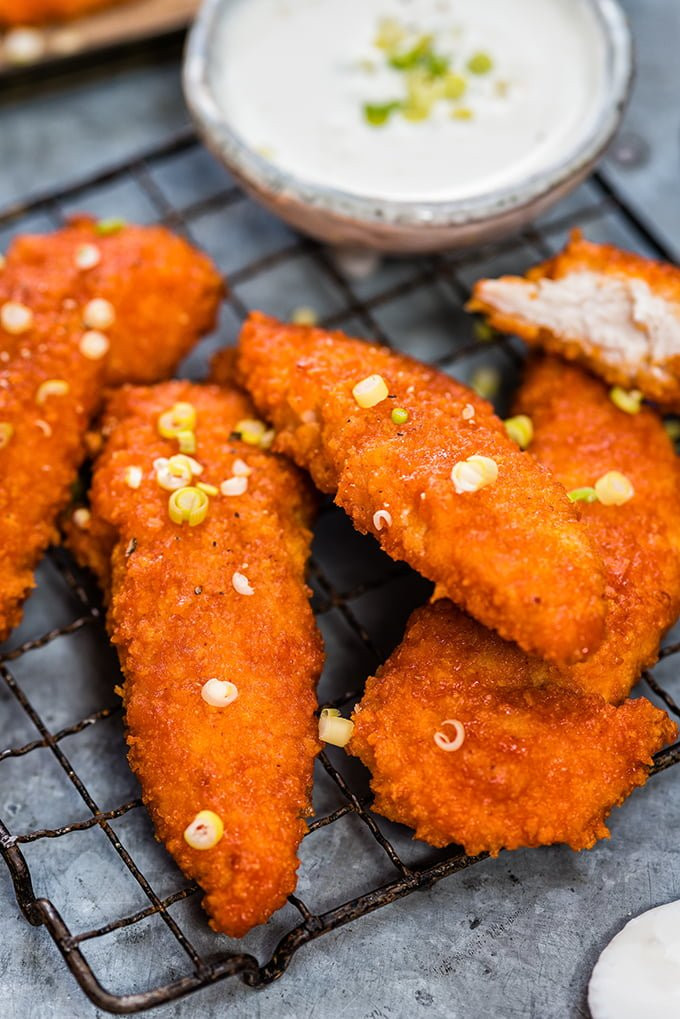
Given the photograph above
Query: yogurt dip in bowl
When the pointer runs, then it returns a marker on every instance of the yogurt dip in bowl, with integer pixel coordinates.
(408, 125)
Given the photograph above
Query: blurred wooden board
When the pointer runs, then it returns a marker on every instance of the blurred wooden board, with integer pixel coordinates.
(124, 23)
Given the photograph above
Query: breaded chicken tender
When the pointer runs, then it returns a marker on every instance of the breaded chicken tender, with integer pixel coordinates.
(538, 764)
(544, 757)
(511, 552)
(79, 310)
(580, 435)
(33, 12)
(613, 311)
(220, 602)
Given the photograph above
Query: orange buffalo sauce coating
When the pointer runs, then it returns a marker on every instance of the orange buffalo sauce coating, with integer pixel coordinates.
(495, 546)
(539, 763)
(32, 12)
(164, 295)
(581, 435)
(544, 756)
(179, 621)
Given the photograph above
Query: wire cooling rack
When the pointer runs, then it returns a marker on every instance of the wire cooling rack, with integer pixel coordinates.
(75, 758)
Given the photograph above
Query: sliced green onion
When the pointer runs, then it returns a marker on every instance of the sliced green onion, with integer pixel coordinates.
(333, 729)
(133, 476)
(304, 316)
(188, 504)
(370, 391)
(629, 401)
(15, 318)
(218, 693)
(520, 429)
(614, 489)
(480, 63)
(422, 93)
(582, 495)
(377, 114)
(409, 59)
(474, 473)
(205, 831)
(51, 387)
(672, 426)
(435, 64)
(484, 332)
(417, 111)
(186, 440)
(390, 34)
(455, 85)
(208, 489)
(486, 382)
(180, 418)
(107, 227)
(486, 466)
(267, 439)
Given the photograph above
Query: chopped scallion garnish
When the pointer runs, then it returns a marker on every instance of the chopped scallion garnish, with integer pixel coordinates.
(484, 332)
(480, 63)
(435, 64)
(520, 429)
(107, 227)
(627, 400)
(584, 494)
(428, 74)
(419, 53)
(377, 114)
(455, 85)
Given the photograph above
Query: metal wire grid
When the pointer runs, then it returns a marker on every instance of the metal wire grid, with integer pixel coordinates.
(364, 311)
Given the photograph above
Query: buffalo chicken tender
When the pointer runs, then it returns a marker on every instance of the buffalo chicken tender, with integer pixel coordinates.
(30, 12)
(78, 310)
(467, 743)
(217, 642)
(613, 311)
(469, 739)
(582, 436)
(446, 490)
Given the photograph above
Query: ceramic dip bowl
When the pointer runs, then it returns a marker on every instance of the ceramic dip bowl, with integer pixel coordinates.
(324, 197)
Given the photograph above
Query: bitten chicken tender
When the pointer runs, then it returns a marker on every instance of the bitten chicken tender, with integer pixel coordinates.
(613, 311)
(32, 12)
(538, 764)
(222, 601)
(511, 553)
(580, 435)
(79, 310)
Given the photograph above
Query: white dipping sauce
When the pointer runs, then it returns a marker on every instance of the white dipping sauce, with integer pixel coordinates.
(291, 77)
(638, 974)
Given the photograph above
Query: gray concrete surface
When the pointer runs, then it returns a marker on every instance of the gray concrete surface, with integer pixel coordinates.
(516, 937)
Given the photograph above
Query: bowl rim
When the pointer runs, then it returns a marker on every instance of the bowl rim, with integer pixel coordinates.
(261, 175)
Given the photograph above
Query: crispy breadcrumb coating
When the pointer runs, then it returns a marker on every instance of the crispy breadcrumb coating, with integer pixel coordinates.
(177, 621)
(539, 764)
(544, 758)
(163, 295)
(613, 311)
(477, 545)
(580, 435)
